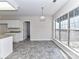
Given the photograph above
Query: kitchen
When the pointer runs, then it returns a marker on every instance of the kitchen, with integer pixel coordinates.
(8, 34)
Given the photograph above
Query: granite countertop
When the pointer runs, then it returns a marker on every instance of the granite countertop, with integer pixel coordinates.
(4, 36)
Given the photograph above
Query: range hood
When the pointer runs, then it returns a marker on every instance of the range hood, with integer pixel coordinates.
(8, 5)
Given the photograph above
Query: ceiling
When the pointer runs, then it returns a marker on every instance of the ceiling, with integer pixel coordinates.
(33, 7)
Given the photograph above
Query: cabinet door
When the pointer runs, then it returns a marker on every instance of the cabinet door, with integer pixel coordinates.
(3, 28)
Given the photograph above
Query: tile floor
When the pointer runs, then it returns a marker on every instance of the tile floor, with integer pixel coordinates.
(36, 50)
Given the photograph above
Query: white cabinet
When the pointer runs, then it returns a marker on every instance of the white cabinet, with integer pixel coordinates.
(16, 36)
(6, 46)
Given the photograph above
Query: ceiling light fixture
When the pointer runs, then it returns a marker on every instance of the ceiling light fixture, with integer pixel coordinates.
(42, 16)
(8, 5)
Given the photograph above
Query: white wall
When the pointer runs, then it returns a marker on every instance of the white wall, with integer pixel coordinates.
(41, 30)
(38, 30)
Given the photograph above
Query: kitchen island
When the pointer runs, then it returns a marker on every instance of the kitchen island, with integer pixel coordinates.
(6, 45)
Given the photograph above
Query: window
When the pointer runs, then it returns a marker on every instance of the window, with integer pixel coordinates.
(71, 14)
(67, 29)
(64, 29)
(76, 12)
(57, 29)
(74, 33)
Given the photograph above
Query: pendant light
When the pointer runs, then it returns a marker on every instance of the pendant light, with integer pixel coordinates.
(42, 16)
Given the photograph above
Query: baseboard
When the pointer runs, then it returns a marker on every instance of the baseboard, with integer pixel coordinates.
(17, 41)
(40, 39)
(73, 54)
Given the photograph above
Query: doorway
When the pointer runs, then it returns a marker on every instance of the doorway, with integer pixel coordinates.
(27, 30)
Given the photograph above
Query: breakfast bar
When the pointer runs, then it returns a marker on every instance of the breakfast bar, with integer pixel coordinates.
(6, 45)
